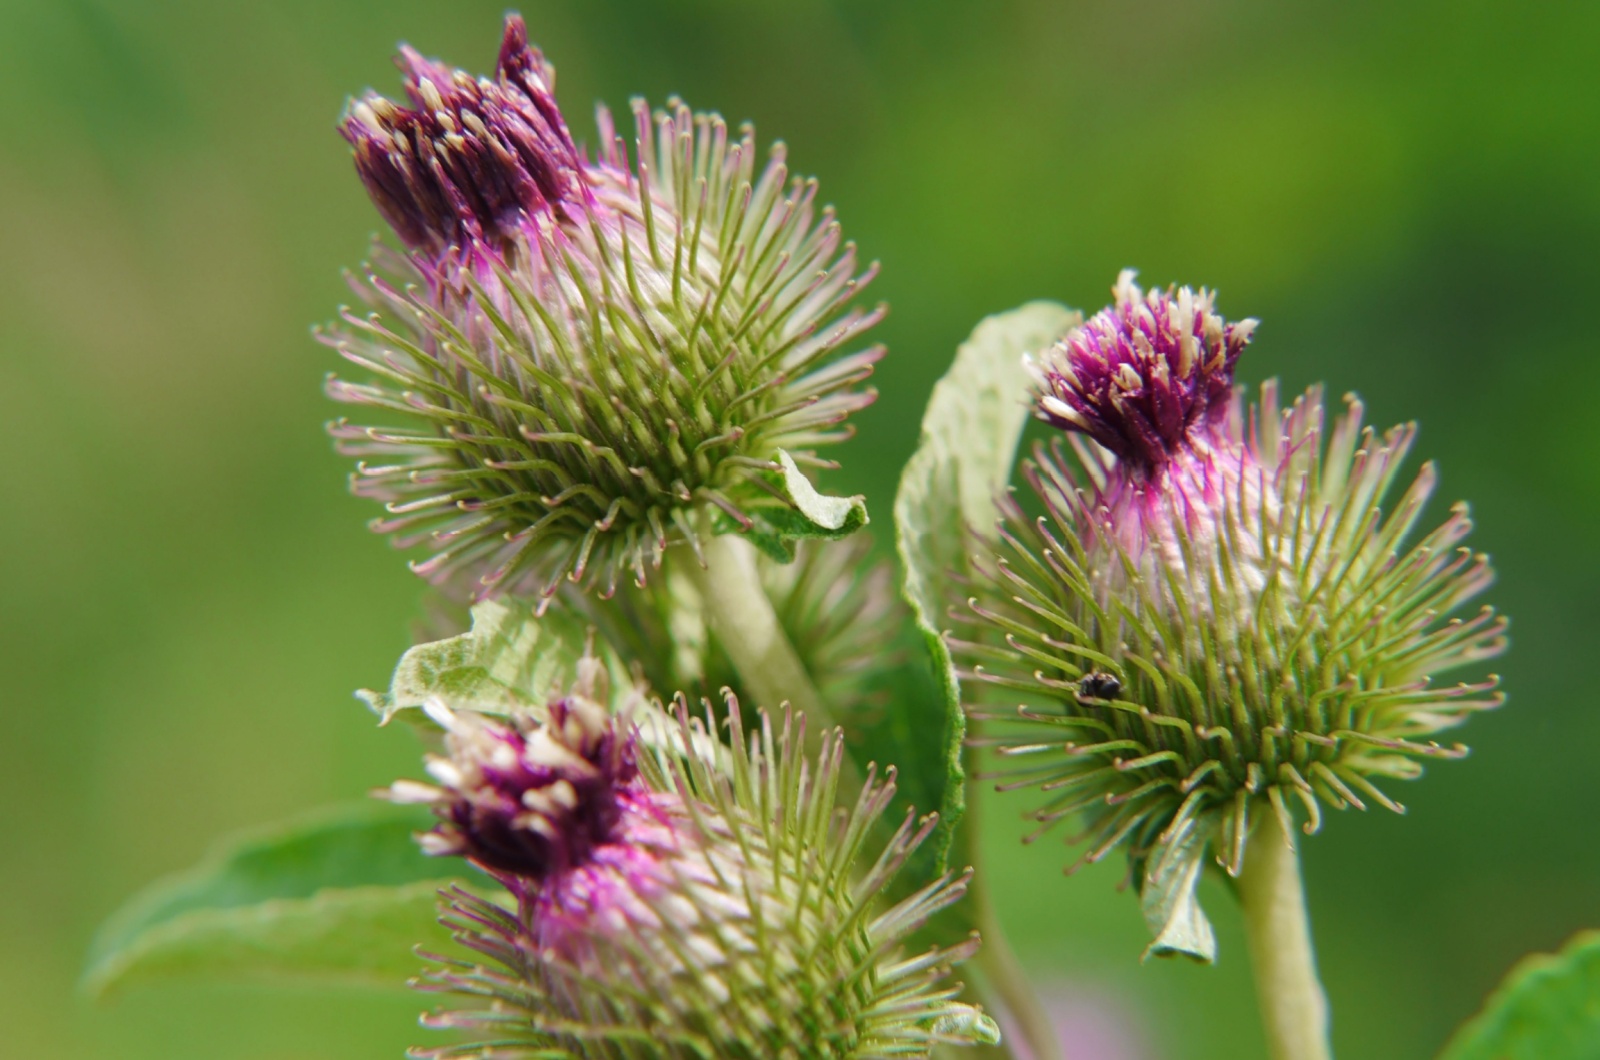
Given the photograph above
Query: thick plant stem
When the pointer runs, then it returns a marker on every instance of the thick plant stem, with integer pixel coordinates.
(750, 632)
(1294, 1008)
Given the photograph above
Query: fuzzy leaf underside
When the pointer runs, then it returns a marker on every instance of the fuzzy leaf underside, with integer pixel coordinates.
(810, 515)
(510, 660)
(1548, 1008)
(341, 897)
(963, 459)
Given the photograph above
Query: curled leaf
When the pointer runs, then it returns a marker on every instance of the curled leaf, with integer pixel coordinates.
(1171, 909)
(809, 515)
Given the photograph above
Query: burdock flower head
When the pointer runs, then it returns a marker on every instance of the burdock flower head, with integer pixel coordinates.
(531, 799)
(588, 359)
(687, 901)
(1214, 615)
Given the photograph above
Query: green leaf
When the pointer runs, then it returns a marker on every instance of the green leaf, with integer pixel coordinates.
(809, 515)
(964, 458)
(1171, 909)
(513, 659)
(342, 896)
(1548, 1008)
(359, 936)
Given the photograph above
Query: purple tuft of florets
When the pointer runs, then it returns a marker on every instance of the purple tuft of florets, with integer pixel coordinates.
(472, 161)
(529, 798)
(1146, 377)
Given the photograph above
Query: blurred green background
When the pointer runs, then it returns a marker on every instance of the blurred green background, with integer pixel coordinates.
(1408, 196)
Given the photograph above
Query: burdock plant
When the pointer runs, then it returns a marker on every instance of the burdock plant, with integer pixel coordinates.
(1215, 627)
(693, 901)
(594, 362)
(589, 389)
(609, 373)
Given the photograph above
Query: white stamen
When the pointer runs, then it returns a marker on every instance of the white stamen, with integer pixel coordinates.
(1061, 410)
(445, 772)
(412, 791)
(436, 845)
(558, 796)
(1125, 290)
(545, 751)
(442, 715)
(430, 94)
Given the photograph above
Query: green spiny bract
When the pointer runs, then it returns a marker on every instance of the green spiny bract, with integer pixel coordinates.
(1235, 626)
(729, 916)
(602, 364)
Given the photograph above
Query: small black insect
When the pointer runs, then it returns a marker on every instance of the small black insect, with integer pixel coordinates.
(1097, 684)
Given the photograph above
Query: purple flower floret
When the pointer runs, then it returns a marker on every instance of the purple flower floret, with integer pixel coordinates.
(472, 161)
(534, 800)
(1145, 377)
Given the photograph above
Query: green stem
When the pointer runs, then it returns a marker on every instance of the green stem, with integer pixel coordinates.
(1294, 1008)
(750, 632)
